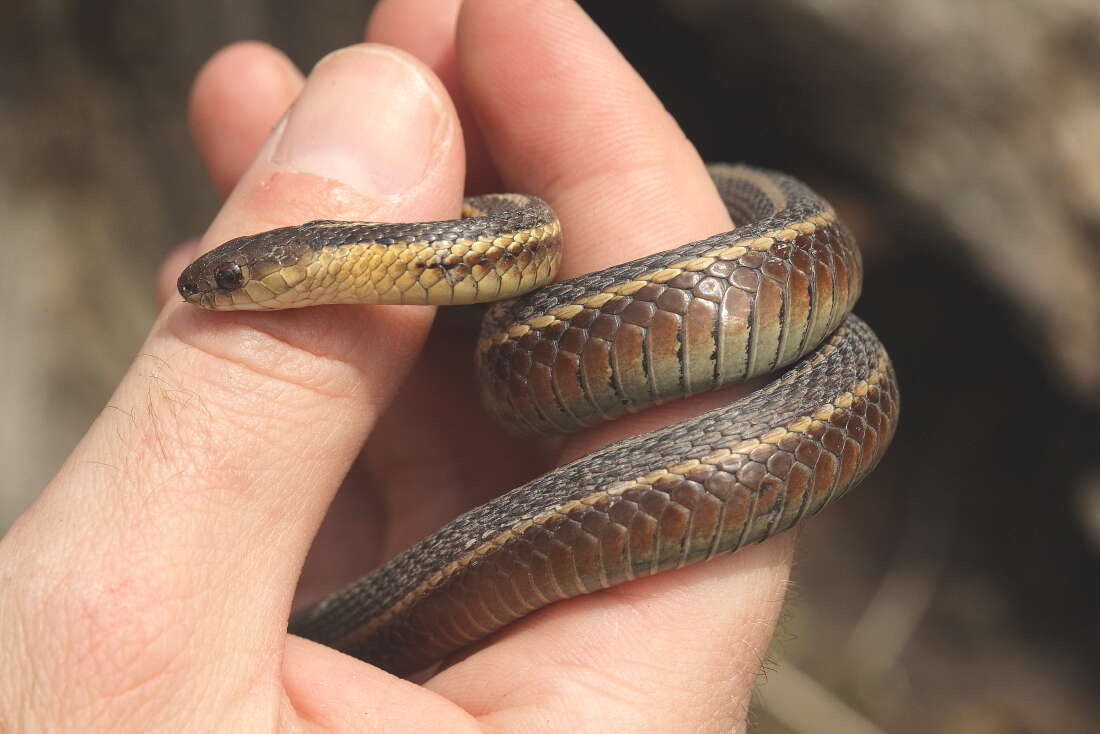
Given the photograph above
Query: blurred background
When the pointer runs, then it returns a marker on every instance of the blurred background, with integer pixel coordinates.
(957, 590)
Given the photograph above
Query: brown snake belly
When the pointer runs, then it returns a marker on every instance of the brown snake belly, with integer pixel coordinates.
(773, 292)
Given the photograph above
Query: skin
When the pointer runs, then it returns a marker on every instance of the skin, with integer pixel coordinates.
(148, 587)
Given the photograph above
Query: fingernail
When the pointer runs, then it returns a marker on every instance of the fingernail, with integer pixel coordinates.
(367, 117)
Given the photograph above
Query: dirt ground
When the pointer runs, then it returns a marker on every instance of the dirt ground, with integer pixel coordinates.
(954, 592)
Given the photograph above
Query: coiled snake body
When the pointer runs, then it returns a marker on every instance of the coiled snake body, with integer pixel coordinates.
(775, 291)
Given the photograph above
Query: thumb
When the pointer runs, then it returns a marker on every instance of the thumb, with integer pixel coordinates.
(165, 552)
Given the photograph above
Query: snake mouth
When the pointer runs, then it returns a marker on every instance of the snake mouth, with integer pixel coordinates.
(219, 299)
(199, 292)
(190, 292)
(203, 297)
(222, 301)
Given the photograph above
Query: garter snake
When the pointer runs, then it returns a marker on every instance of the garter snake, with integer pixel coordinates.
(774, 292)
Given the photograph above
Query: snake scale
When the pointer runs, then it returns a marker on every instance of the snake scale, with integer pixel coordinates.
(774, 292)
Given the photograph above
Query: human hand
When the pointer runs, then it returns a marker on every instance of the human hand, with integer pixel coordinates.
(149, 586)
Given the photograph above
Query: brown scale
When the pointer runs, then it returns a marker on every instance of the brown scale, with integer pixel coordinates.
(699, 331)
(770, 294)
(636, 529)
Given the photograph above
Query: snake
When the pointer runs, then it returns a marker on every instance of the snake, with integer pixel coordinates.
(773, 294)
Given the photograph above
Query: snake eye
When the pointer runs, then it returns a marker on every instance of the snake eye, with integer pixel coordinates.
(228, 276)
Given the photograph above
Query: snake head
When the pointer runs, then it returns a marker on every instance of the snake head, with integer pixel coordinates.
(247, 273)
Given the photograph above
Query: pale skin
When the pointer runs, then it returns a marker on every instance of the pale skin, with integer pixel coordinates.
(148, 587)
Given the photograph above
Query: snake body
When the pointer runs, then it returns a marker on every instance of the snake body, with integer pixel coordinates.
(775, 291)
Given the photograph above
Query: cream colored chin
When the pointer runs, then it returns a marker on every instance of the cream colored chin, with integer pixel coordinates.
(248, 306)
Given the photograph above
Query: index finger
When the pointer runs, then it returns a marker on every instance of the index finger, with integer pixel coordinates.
(566, 118)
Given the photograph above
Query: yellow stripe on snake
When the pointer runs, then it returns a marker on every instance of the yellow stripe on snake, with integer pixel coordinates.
(774, 292)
